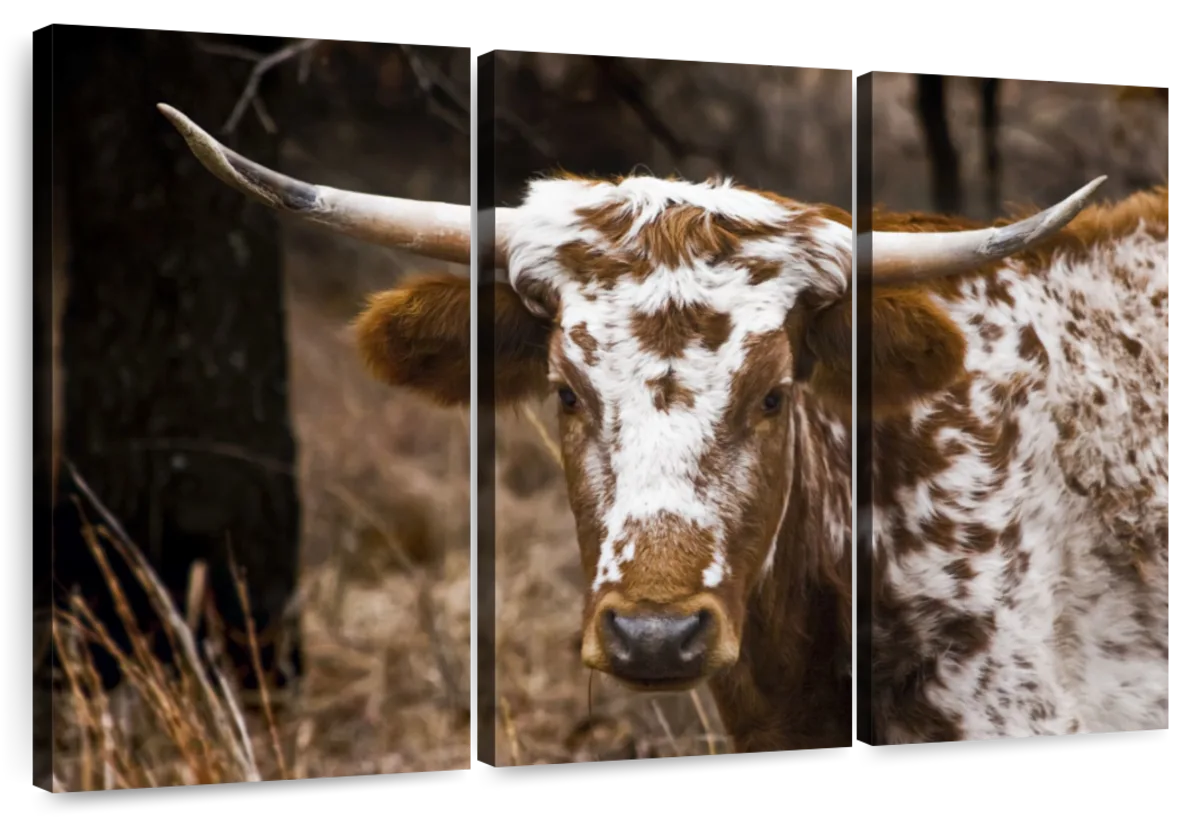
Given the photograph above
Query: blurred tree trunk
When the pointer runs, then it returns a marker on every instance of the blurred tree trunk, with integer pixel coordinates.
(175, 382)
(943, 158)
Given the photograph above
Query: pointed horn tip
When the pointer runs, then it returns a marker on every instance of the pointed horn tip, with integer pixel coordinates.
(1091, 186)
(190, 131)
(201, 143)
(1068, 208)
(175, 117)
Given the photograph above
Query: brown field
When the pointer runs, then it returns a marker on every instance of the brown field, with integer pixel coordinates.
(385, 477)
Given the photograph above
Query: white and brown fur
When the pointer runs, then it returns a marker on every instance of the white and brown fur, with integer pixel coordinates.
(1019, 411)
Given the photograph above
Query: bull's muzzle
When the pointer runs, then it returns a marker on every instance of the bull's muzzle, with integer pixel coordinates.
(655, 644)
(656, 649)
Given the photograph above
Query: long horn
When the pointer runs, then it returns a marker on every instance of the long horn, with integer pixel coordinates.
(907, 257)
(431, 229)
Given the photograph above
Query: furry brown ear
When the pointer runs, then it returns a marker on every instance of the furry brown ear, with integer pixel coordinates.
(916, 350)
(418, 336)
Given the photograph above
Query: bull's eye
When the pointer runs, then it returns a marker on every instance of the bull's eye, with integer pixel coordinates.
(773, 401)
(567, 398)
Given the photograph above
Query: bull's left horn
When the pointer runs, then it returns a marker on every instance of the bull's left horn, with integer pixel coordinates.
(906, 257)
(431, 229)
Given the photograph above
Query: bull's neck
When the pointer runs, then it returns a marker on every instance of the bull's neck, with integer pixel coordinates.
(791, 689)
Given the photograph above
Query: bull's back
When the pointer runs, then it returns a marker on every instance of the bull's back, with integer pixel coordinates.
(1103, 320)
(1080, 364)
(1104, 315)
(1077, 378)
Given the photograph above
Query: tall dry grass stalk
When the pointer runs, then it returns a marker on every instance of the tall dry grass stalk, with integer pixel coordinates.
(171, 722)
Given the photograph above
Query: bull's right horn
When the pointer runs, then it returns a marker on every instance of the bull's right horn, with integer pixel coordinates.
(431, 229)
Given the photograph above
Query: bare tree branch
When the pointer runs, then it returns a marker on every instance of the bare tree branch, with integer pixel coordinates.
(264, 117)
(262, 64)
(525, 131)
(304, 67)
(228, 50)
(631, 89)
(431, 80)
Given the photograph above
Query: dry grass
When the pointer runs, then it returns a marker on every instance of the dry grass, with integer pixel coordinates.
(384, 592)
(171, 723)
(386, 690)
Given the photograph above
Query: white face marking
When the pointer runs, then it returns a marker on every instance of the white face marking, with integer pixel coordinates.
(655, 456)
(715, 572)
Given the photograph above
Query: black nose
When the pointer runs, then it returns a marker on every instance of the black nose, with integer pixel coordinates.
(656, 647)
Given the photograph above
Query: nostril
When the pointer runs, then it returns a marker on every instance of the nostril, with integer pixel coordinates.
(616, 637)
(694, 639)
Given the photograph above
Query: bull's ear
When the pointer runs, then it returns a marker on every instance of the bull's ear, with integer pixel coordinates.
(418, 336)
(916, 350)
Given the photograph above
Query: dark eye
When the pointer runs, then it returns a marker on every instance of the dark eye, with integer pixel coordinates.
(773, 401)
(567, 397)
